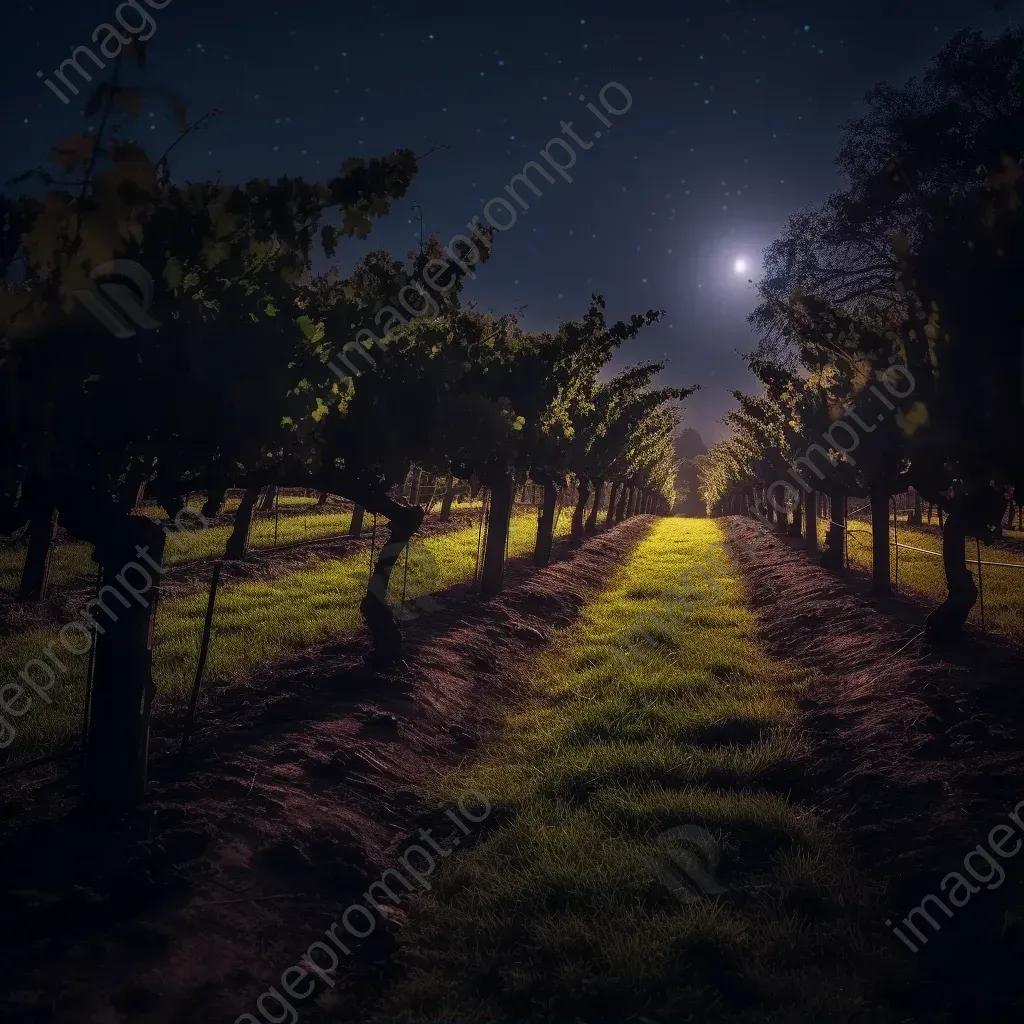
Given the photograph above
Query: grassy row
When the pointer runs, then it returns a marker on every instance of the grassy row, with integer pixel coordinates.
(561, 913)
(255, 622)
(923, 574)
(72, 562)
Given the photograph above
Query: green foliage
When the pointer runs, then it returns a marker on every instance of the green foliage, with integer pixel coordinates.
(917, 263)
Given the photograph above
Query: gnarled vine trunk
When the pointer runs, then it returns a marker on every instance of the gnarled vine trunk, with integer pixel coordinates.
(811, 522)
(238, 542)
(492, 579)
(591, 527)
(117, 743)
(545, 526)
(214, 502)
(446, 501)
(915, 516)
(627, 502)
(835, 553)
(576, 527)
(355, 529)
(620, 513)
(35, 573)
(414, 487)
(880, 580)
(795, 528)
(403, 522)
(269, 497)
(609, 518)
(946, 622)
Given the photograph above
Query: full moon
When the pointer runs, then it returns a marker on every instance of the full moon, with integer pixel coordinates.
(740, 266)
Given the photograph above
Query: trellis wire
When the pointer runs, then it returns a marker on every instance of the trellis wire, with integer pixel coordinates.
(896, 544)
(373, 547)
(938, 554)
(489, 510)
(204, 650)
(90, 669)
(481, 533)
(277, 512)
(511, 512)
(979, 561)
(81, 750)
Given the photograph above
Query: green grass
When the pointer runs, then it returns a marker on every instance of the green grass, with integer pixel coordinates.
(72, 562)
(923, 574)
(256, 622)
(559, 915)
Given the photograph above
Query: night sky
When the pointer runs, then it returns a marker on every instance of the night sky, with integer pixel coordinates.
(735, 119)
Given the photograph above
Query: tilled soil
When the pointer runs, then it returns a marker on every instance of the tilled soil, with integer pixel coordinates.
(917, 753)
(298, 794)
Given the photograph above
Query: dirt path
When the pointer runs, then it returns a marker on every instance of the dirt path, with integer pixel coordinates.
(917, 754)
(295, 801)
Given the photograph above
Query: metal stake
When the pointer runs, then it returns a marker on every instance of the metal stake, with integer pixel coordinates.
(204, 650)
(981, 587)
(90, 671)
(896, 544)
